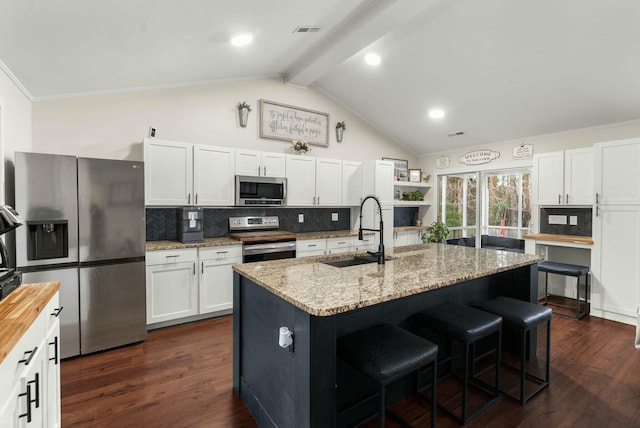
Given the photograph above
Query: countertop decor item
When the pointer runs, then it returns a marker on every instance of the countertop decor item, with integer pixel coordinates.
(340, 127)
(438, 231)
(400, 168)
(300, 146)
(243, 113)
(415, 175)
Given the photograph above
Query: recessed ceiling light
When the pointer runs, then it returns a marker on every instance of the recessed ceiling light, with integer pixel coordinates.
(372, 58)
(436, 113)
(242, 39)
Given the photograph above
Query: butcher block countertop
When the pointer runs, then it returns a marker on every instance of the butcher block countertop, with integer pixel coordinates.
(587, 240)
(20, 309)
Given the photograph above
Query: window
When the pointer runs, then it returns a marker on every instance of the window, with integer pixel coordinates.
(503, 198)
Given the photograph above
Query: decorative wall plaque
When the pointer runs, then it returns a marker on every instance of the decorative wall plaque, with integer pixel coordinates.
(523, 151)
(478, 157)
(285, 122)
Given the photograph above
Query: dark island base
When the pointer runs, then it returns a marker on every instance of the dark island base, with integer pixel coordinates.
(306, 385)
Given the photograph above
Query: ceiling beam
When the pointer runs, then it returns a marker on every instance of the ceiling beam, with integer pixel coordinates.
(370, 21)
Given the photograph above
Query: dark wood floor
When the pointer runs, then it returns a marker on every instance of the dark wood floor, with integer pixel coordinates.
(181, 377)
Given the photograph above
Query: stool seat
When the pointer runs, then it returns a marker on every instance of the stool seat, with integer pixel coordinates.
(386, 352)
(516, 312)
(563, 268)
(461, 322)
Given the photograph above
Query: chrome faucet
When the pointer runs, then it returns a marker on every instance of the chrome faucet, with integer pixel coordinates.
(380, 253)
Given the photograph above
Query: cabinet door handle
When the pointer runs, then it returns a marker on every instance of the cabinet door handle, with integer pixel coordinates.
(597, 210)
(597, 197)
(189, 199)
(194, 268)
(56, 311)
(196, 201)
(27, 360)
(55, 358)
(36, 381)
(29, 401)
(559, 199)
(202, 268)
(318, 200)
(258, 170)
(567, 199)
(264, 168)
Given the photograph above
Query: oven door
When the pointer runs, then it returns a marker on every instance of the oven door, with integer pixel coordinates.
(268, 251)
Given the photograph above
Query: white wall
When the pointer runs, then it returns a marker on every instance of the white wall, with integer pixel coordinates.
(113, 125)
(15, 130)
(575, 139)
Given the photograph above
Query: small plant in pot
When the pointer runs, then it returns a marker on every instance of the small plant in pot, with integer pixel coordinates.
(300, 146)
(438, 232)
(340, 127)
(243, 113)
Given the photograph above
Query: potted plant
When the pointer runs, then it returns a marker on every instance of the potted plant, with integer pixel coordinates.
(243, 113)
(340, 127)
(300, 146)
(438, 231)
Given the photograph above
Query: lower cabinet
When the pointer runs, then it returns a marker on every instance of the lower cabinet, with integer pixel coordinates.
(407, 237)
(327, 246)
(30, 387)
(216, 277)
(189, 282)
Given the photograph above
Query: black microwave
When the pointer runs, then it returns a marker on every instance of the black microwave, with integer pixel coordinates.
(260, 191)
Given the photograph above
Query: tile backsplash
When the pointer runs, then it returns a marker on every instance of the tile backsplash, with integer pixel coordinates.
(161, 223)
(583, 217)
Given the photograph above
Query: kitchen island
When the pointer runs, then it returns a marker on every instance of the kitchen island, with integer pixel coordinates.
(302, 385)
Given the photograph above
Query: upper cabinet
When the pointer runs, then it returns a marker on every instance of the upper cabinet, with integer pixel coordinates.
(168, 172)
(378, 180)
(179, 174)
(564, 178)
(313, 181)
(617, 174)
(262, 164)
(351, 183)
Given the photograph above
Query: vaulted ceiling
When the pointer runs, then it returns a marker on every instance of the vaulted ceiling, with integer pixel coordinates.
(500, 69)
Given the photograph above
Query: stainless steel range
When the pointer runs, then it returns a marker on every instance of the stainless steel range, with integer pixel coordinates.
(261, 238)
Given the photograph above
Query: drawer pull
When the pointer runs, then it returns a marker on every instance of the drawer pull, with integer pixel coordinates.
(342, 242)
(56, 311)
(27, 360)
(222, 252)
(174, 255)
(312, 245)
(55, 358)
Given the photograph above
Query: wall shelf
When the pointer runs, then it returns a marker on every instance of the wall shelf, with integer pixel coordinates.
(411, 184)
(398, 203)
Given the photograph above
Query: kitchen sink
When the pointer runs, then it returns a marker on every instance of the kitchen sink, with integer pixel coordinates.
(353, 261)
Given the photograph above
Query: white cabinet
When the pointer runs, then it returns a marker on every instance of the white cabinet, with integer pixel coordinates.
(368, 243)
(615, 271)
(30, 373)
(301, 180)
(178, 174)
(616, 231)
(377, 180)
(617, 174)
(311, 247)
(564, 178)
(313, 181)
(172, 284)
(257, 163)
(351, 183)
(340, 245)
(407, 237)
(216, 277)
(168, 172)
(213, 175)
(328, 182)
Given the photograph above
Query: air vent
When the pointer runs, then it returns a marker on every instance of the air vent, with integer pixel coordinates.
(306, 30)
(456, 134)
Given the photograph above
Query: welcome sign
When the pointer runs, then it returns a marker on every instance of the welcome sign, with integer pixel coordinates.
(478, 157)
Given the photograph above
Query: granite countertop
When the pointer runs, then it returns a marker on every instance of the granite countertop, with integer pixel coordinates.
(19, 309)
(587, 240)
(218, 242)
(177, 245)
(323, 290)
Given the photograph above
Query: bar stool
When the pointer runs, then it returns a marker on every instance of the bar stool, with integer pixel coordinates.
(568, 270)
(387, 353)
(468, 326)
(522, 317)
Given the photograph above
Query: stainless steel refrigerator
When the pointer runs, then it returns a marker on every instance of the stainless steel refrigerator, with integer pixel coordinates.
(85, 226)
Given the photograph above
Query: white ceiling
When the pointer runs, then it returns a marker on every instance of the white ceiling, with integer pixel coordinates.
(502, 69)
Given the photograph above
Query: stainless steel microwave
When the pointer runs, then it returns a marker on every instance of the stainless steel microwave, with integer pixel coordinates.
(261, 191)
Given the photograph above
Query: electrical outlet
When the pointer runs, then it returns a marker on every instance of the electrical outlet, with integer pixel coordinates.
(300, 218)
(152, 132)
(334, 216)
(573, 220)
(558, 219)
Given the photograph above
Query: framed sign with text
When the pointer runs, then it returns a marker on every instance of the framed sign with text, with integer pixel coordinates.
(287, 123)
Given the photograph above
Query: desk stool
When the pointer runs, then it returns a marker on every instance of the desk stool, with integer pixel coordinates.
(566, 269)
